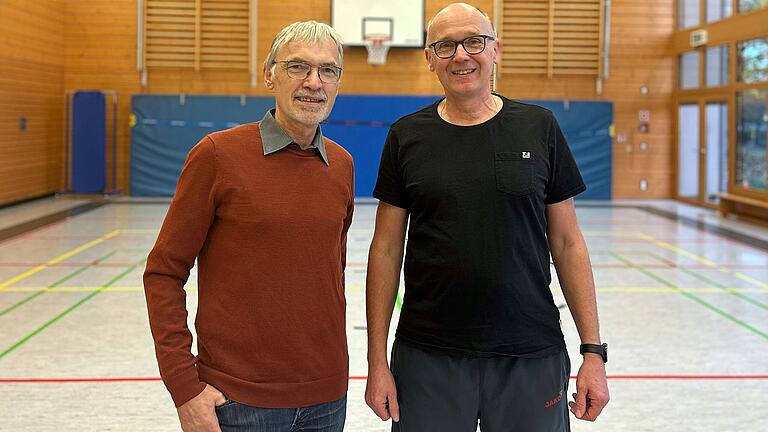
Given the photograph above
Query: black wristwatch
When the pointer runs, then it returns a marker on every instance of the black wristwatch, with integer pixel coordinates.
(597, 349)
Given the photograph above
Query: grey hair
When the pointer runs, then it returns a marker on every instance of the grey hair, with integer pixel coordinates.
(304, 31)
(429, 24)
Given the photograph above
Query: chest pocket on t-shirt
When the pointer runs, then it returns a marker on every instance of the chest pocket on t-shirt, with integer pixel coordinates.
(514, 172)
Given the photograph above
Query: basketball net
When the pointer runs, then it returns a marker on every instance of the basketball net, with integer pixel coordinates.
(377, 46)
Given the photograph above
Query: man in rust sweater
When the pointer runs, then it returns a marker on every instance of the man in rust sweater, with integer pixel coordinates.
(264, 208)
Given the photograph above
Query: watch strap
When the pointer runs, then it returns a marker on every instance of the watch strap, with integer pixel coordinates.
(597, 349)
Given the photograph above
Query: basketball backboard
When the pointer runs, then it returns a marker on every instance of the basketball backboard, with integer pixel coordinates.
(402, 20)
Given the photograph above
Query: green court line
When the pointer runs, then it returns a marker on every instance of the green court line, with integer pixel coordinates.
(105, 257)
(609, 251)
(621, 258)
(21, 303)
(717, 285)
(698, 300)
(54, 285)
(69, 309)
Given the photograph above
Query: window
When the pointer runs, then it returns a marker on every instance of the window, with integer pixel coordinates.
(750, 5)
(716, 67)
(751, 131)
(688, 13)
(718, 9)
(689, 70)
(752, 59)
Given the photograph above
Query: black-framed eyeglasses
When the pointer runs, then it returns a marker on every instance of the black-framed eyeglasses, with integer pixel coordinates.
(472, 45)
(300, 70)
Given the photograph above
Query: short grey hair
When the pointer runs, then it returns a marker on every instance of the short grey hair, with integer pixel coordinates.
(304, 31)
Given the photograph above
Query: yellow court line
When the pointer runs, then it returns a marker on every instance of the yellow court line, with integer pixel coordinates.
(81, 289)
(672, 290)
(678, 251)
(612, 233)
(65, 289)
(360, 288)
(749, 279)
(702, 260)
(59, 258)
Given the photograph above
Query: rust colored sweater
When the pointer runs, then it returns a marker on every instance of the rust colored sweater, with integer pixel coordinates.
(269, 234)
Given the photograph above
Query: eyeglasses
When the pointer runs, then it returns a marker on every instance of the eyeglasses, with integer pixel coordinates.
(472, 45)
(300, 70)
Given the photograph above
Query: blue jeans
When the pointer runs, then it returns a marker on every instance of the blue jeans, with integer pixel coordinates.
(324, 417)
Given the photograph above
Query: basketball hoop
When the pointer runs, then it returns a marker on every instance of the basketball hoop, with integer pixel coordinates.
(377, 46)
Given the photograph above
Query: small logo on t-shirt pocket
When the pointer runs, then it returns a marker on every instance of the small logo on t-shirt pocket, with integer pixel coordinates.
(526, 155)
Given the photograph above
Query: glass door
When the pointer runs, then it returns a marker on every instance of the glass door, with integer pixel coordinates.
(702, 151)
(688, 151)
(715, 151)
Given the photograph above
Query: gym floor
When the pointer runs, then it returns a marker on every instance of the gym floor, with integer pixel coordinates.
(683, 298)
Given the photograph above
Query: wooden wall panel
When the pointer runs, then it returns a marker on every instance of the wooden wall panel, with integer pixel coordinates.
(101, 53)
(640, 35)
(32, 87)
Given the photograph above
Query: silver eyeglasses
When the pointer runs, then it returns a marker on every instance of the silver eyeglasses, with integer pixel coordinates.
(300, 70)
(472, 45)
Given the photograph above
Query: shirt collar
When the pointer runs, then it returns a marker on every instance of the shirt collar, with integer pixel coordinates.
(274, 138)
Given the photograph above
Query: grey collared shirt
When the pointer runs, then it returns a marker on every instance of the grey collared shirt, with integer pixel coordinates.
(274, 138)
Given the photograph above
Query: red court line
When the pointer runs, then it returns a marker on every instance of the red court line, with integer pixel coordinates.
(123, 217)
(66, 264)
(667, 264)
(75, 237)
(74, 380)
(63, 237)
(26, 234)
(613, 223)
(687, 377)
(361, 378)
(642, 240)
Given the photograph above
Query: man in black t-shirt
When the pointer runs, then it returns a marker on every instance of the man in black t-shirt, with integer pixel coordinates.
(487, 183)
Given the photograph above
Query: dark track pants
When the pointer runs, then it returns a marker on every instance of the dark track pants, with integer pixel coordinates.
(441, 392)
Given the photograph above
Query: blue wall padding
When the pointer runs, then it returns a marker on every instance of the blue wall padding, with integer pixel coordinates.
(89, 138)
(165, 131)
(586, 126)
(377, 108)
(364, 143)
(360, 123)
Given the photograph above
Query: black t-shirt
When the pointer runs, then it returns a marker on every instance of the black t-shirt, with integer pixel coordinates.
(477, 259)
